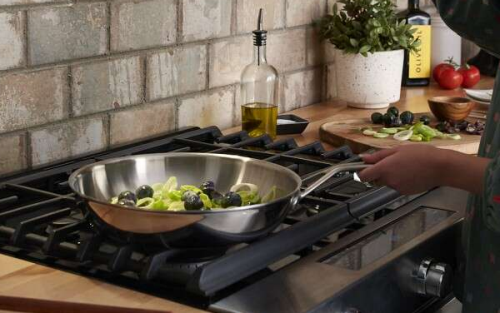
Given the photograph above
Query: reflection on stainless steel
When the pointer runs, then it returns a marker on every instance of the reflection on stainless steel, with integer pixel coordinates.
(97, 183)
(388, 239)
(432, 278)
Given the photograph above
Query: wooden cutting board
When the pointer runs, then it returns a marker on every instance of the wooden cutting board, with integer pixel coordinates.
(346, 132)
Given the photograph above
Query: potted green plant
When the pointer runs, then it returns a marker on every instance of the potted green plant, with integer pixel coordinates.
(370, 42)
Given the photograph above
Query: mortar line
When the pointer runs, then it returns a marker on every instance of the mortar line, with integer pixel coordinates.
(285, 22)
(107, 127)
(70, 92)
(34, 6)
(145, 97)
(180, 20)
(233, 25)
(207, 65)
(108, 16)
(29, 149)
(27, 60)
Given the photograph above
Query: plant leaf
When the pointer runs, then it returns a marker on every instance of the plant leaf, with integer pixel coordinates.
(365, 49)
(354, 42)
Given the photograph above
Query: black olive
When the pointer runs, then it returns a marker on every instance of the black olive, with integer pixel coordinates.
(389, 120)
(144, 191)
(207, 187)
(397, 122)
(377, 118)
(425, 119)
(471, 129)
(442, 127)
(127, 203)
(216, 198)
(129, 195)
(407, 118)
(394, 111)
(192, 201)
(231, 199)
(187, 194)
(214, 195)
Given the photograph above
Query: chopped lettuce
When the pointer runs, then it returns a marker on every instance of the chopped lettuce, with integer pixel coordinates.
(177, 206)
(249, 197)
(194, 189)
(206, 201)
(174, 195)
(145, 202)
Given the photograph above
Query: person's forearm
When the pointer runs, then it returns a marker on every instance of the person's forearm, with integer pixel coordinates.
(462, 171)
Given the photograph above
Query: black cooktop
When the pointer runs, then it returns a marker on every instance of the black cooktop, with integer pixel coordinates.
(41, 221)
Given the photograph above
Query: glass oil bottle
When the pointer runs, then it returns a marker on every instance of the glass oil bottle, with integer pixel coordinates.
(259, 89)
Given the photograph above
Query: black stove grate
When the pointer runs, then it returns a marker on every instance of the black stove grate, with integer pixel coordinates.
(40, 220)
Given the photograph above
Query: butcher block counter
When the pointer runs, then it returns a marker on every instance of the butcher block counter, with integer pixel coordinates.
(23, 279)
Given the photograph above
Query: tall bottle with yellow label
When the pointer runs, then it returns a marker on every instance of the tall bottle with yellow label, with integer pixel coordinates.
(417, 67)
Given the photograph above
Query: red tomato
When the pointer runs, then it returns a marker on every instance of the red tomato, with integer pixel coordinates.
(439, 69)
(450, 79)
(471, 76)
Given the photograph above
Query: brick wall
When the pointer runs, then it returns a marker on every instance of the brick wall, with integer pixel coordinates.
(81, 76)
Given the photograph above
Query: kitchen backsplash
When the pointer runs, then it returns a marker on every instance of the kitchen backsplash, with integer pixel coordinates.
(78, 76)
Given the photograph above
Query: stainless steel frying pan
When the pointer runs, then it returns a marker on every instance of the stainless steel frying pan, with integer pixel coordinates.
(98, 182)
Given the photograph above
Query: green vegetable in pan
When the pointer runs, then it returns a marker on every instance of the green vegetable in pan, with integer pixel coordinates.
(169, 196)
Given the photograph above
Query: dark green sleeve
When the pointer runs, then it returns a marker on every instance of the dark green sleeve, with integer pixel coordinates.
(475, 20)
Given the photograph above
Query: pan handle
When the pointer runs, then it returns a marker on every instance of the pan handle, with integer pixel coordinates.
(329, 173)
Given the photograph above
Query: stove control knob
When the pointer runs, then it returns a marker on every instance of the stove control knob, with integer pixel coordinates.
(433, 279)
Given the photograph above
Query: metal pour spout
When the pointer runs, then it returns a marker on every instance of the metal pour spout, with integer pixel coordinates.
(260, 20)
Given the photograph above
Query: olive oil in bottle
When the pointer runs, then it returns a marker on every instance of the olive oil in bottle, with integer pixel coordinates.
(259, 119)
(259, 90)
(417, 65)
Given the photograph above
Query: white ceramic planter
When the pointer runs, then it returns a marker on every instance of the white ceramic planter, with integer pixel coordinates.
(370, 82)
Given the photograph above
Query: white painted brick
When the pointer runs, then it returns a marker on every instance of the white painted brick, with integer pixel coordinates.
(302, 89)
(138, 123)
(66, 140)
(140, 25)
(214, 108)
(33, 98)
(64, 33)
(204, 19)
(13, 154)
(287, 50)
(11, 40)
(247, 12)
(107, 85)
(331, 82)
(301, 12)
(228, 58)
(176, 71)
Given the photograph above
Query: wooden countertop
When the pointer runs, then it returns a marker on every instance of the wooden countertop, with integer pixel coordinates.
(412, 99)
(23, 279)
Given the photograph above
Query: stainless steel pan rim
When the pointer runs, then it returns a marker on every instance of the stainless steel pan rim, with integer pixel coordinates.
(73, 179)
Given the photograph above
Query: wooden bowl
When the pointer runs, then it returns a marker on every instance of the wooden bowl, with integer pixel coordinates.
(451, 108)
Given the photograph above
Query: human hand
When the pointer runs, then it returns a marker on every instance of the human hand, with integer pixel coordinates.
(409, 169)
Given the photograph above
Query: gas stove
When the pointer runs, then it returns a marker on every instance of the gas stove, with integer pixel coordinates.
(349, 247)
